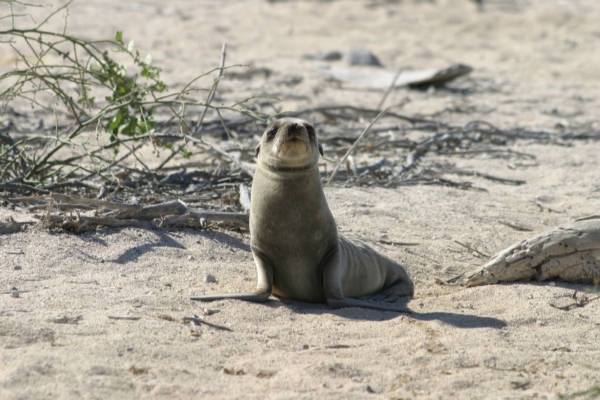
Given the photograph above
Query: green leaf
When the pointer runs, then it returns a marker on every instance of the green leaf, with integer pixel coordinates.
(119, 37)
(186, 153)
(114, 123)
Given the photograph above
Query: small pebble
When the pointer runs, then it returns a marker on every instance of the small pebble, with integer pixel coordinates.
(332, 55)
(209, 278)
(209, 311)
(14, 292)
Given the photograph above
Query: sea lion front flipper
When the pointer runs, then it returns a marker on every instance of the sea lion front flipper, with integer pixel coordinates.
(264, 285)
(255, 297)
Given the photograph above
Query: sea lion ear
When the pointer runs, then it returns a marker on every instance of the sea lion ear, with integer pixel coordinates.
(257, 150)
(321, 149)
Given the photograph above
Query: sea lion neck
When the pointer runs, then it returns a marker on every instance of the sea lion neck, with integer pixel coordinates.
(302, 170)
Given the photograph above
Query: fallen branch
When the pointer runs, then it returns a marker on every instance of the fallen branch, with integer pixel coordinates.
(65, 212)
(196, 320)
(578, 302)
(9, 225)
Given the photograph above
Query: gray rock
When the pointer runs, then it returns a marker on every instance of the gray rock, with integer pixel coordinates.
(209, 278)
(359, 56)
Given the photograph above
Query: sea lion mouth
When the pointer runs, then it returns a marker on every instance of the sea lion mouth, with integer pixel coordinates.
(291, 154)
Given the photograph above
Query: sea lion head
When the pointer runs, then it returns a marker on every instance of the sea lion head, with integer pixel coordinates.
(289, 144)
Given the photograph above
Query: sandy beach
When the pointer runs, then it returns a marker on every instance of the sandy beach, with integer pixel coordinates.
(102, 315)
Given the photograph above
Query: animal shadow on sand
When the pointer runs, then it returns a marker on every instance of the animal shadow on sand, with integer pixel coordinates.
(353, 313)
(465, 321)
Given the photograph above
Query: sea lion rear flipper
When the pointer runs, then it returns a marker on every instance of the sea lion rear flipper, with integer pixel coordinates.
(333, 271)
(349, 302)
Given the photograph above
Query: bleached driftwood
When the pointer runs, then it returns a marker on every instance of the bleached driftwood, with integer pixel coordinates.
(568, 253)
(378, 78)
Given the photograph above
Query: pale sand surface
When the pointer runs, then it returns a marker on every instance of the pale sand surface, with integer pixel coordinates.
(536, 67)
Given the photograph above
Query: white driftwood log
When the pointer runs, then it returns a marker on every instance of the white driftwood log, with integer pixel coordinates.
(378, 78)
(568, 253)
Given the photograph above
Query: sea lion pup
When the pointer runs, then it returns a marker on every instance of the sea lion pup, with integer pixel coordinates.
(296, 247)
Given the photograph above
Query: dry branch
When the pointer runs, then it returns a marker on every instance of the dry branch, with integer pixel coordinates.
(9, 225)
(353, 146)
(66, 212)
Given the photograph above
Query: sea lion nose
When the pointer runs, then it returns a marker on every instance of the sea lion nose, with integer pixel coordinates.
(295, 130)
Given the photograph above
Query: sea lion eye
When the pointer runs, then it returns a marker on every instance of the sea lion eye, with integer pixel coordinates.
(271, 134)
